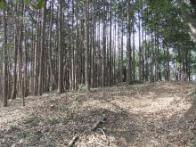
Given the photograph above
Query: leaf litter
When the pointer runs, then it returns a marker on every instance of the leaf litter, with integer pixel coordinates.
(151, 114)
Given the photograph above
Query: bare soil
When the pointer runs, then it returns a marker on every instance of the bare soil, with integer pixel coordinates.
(161, 114)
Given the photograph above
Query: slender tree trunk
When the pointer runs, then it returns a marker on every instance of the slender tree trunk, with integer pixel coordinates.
(25, 57)
(5, 64)
(60, 51)
(129, 55)
(134, 60)
(140, 43)
(86, 44)
(42, 52)
(167, 74)
(110, 47)
(122, 77)
(15, 60)
(36, 58)
(52, 81)
(24, 66)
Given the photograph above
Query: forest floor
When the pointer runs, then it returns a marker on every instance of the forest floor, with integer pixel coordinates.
(161, 114)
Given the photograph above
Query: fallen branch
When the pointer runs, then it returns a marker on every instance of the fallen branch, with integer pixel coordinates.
(103, 133)
(98, 123)
(74, 139)
(95, 126)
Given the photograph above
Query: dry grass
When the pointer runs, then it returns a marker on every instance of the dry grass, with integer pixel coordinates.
(159, 114)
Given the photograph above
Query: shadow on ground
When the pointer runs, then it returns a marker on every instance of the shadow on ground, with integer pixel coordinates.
(37, 131)
(57, 121)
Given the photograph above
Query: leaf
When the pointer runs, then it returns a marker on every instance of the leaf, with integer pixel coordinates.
(2, 4)
(41, 4)
(27, 2)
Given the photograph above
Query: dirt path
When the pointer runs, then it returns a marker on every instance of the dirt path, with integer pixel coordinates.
(159, 114)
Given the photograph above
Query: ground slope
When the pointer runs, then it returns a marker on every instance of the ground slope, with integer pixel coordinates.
(152, 114)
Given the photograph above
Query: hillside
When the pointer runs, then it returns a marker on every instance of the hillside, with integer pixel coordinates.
(159, 114)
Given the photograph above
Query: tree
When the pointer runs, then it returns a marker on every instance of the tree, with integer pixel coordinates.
(129, 51)
(60, 50)
(64, 45)
(86, 45)
(42, 51)
(5, 62)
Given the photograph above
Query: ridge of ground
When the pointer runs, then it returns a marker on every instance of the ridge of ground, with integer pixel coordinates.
(142, 115)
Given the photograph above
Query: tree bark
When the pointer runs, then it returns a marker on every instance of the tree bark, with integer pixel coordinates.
(5, 64)
(42, 52)
(60, 51)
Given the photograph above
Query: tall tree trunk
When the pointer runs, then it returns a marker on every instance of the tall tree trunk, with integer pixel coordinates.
(86, 44)
(15, 58)
(110, 47)
(24, 66)
(36, 58)
(167, 69)
(52, 82)
(134, 60)
(140, 43)
(129, 55)
(122, 77)
(60, 51)
(25, 56)
(5, 64)
(42, 52)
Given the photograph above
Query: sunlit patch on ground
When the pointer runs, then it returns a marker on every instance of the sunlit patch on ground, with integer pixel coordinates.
(157, 114)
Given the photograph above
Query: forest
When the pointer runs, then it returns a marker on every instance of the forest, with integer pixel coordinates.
(98, 63)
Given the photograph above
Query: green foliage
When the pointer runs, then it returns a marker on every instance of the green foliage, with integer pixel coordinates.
(2, 4)
(39, 5)
(27, 2)
(166, 19)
